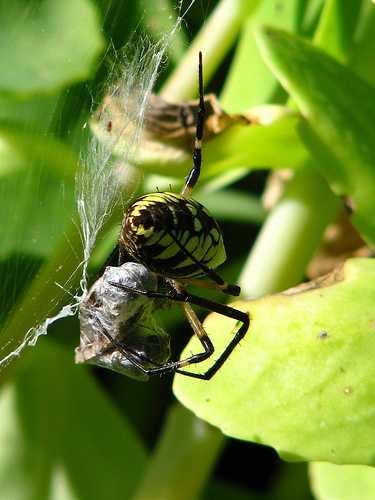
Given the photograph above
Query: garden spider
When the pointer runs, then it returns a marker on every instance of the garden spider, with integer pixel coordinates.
(176, 242)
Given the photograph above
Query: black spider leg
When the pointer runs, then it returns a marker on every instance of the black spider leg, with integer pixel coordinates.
(137, 359)
(134, 357)
(229, 312)
(224, 310)
(191, 181)
(194, 174)
(225, 287)
(193, 320)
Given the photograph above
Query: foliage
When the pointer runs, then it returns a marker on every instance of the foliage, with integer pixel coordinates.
(288, 385)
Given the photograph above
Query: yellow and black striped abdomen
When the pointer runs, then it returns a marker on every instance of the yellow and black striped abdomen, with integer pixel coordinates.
(170, 235)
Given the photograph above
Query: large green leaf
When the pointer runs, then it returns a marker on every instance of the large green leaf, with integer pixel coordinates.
(37, 191)
(59, 433)
(35, 114)
(303, 378)
(342, 482)
(339, 109)
(46, 45)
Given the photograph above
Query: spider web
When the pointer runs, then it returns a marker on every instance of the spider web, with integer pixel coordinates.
(98, 190)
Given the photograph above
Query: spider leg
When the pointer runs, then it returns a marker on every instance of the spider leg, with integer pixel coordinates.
(136, 359)
(222, 285)
(129, 354)
(230, 312)
(194, 173)
(186, 298)
(198, 329)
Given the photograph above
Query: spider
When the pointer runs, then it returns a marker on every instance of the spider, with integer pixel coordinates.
(176, 242)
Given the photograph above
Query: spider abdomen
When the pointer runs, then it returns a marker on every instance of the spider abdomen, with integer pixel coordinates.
(171, 235)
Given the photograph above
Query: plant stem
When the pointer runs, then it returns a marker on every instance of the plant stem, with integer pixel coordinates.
(214, 40)
(289, 236)
(183, 459)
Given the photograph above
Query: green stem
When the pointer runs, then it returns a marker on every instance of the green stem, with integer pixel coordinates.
(214, 40)
(183, 459)
(289, 236)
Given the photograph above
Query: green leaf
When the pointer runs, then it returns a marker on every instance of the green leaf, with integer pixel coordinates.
(339, 109)
(362, 57)
(249, 81)
(38, 172)
(60, 433)
(234, 205)
(303, 378)
(311, 16)
(250, 146)
(35, 114)
(290, 235)
(47, 45)
(215, 38)
(342, 482)
(336, 27)
(25, 149)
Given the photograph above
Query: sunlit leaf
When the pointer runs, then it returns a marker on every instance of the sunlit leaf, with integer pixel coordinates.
(303, 378)
(249, 81)
(46, 45)
(339, 109)
(342, 482)
(336, 26)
